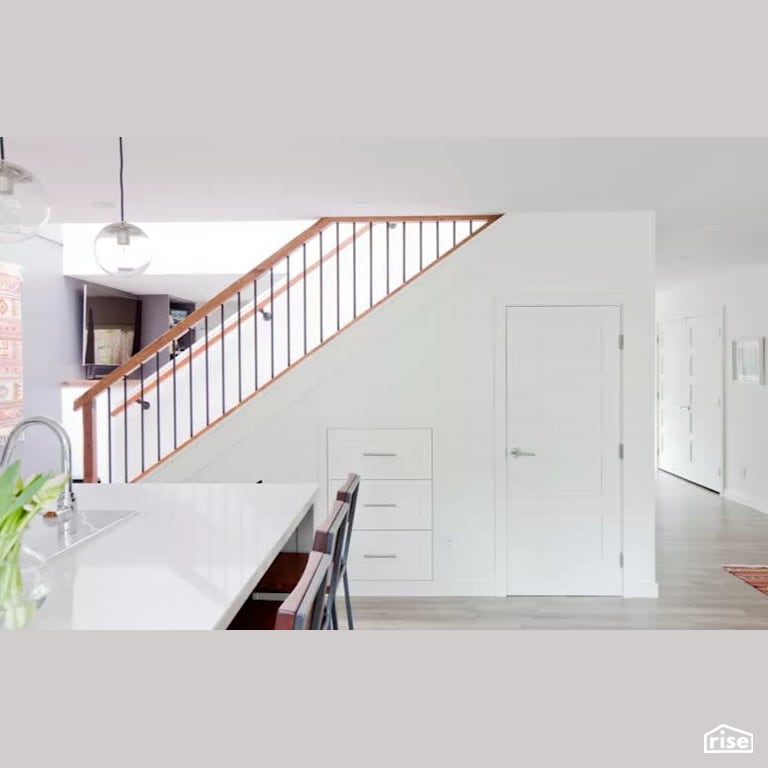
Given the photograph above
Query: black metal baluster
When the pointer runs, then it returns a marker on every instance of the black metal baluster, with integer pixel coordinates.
(354, 269)
(255, 337)
(386, 224)
(304, 261)
(403, 251)
(207, 399)
(321, 285)
(125, 425)
(109, 430)
(191, 400)
(141, 395)
(240, 350)
(421, 245)
(272, 321)
(370, 262)
(223, 365)
(175, 427)
(338, 281)
(157, 386)
(470, 226)
(288, 305)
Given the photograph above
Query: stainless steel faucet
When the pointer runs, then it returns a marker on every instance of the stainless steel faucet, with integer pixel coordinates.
(66, 507)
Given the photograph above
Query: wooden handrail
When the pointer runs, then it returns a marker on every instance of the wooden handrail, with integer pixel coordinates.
(178, 330)
(200, 313)
(487, 219)
(232, 324)
(87, 401)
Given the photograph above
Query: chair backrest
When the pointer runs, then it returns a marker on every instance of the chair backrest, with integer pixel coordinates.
(330, 538)
(304, 608)
(348, 493)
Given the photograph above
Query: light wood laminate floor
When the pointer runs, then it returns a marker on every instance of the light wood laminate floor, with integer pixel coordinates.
(697, 533)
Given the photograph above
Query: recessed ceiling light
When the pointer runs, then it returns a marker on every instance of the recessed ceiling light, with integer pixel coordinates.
(712, 228)
(103, 204)
(361, 202)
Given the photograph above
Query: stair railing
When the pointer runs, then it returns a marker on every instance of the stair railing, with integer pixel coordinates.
(251, 333)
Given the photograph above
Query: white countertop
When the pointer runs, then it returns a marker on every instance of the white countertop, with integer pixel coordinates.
(187, 560)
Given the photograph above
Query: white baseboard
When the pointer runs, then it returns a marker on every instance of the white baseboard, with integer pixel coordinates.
(462, 589)
(746, 500)
(641, 589)
(420, 589)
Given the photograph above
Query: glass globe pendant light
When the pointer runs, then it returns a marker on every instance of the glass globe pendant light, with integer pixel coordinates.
(23, 202)
(122, 248)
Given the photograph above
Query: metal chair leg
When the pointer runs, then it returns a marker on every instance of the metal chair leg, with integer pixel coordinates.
(348, 601)
(334, 617)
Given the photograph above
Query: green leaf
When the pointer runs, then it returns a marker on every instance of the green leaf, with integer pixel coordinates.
(8, 479)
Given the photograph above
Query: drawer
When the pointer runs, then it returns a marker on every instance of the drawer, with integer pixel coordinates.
(390, 504)
(390, 556)
(380, 454)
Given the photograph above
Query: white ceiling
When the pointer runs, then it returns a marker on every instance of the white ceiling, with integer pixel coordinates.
(693, 184)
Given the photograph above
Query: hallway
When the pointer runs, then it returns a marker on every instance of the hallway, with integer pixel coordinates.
(697, 533)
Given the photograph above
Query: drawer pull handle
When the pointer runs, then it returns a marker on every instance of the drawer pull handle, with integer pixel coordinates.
(371, 453)
(379, 505)
(380, 557)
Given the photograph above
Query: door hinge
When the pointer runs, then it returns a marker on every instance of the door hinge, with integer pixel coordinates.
(621, 559)
(621, 341)
(621, 450)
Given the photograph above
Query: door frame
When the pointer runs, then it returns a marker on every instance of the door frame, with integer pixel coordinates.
(722, 347)
(545, 298)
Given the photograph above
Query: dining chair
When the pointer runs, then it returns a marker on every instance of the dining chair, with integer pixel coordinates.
(286, 569)
(306, 606)
(303, 608)
(348, 494)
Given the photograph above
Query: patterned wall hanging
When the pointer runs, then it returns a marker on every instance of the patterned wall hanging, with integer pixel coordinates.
(11, 371)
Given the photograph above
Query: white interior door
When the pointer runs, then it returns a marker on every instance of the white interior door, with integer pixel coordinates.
(707, 401)
(691, 399)
(563, 467)
(674, 398)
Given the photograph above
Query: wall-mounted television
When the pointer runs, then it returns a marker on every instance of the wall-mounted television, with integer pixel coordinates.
(111, 329)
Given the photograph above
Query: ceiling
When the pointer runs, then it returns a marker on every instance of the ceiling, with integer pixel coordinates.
(711, 195)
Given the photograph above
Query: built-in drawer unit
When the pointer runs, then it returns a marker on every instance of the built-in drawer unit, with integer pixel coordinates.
(392, 538)
(380, 454)
(390, 556)
(391, 504)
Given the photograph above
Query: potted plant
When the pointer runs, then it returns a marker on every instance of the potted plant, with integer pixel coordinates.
(20, 501)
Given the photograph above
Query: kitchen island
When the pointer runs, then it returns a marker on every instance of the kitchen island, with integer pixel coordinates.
(187, 557)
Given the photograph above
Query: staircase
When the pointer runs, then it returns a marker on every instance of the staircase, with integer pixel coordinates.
(253, 332)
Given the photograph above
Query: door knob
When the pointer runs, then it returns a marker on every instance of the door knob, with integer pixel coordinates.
(517, 453)
(685, 407)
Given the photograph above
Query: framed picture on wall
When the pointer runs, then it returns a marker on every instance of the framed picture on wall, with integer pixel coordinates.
(749, 360)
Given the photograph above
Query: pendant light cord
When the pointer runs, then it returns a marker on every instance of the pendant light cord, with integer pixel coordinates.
(2, 148)
(122, 193)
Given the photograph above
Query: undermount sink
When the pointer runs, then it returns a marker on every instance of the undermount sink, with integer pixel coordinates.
(47, 541)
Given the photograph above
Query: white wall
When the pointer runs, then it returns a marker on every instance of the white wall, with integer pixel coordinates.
(426, 359)
(742, 291)
(51, 330)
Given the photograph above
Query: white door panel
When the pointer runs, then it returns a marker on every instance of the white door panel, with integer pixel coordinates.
(690, 399)
(706, 401)
(674, 397)
(564, 502)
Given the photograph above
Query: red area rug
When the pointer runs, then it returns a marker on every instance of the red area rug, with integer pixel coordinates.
(11, 398)
(754, 575)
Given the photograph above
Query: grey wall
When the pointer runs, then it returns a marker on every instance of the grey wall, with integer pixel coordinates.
(51, 328)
